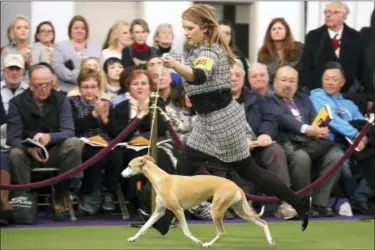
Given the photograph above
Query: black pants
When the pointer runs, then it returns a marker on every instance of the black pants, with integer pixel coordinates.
(135, 189)
(112, 164)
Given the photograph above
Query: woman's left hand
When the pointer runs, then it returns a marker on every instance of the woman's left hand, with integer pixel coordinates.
(169, 61)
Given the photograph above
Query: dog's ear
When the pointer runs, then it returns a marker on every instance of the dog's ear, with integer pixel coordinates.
(149, 158)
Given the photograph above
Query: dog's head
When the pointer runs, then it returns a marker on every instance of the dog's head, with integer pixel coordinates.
(136, 166)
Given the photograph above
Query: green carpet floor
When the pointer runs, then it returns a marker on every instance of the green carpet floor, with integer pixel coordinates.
(287, 235)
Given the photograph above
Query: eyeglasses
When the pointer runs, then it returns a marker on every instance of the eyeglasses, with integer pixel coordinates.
(285, 80)
(46, 31)
(332, 12)
(40, 86)
(86, 88)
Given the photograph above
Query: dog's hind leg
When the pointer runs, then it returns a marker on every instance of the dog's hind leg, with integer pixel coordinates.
(159, 212)
(217, 218)
(243, 210)
(179, 212)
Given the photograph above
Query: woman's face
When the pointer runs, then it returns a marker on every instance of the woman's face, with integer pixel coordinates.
(45, 34)
(93, 64)
(124, 36)
(163, 78)
(21, 30)
(139, 34)
(237, 78)
(89, 90)
(114, 71)
(165, 37)
(278, 32)
(193, 32)
(139, 87)
(78, 32)
(226, 33)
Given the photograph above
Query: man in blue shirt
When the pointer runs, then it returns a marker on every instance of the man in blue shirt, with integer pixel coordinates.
(342, 131)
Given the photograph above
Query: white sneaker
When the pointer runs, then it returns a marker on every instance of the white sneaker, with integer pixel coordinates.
(285, 211)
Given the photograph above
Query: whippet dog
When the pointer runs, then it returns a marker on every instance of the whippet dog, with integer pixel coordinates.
(177, 193)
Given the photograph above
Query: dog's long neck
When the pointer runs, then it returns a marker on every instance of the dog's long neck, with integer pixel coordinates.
(153, 173)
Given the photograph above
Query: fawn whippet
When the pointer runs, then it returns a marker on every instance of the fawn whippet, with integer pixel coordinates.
(177, 193)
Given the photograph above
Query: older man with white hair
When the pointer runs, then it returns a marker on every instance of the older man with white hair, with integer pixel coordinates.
(13, 83)
(334, 41)
(259, 78)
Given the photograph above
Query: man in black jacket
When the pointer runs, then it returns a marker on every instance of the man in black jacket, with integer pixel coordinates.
(334, 41)
(44, 115)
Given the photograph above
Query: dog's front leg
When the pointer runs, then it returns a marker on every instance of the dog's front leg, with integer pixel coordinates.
(182, 220)
(159, 212)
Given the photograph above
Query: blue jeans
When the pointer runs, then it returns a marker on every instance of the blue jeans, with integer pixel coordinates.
(355, 186)
(4, 162)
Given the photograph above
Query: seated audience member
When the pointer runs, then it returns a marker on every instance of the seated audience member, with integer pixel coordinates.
(181, 113)
(279, 47)
(54, 83)
(90, 116)
(13, 83)
(44, 115)
(259, 79)
(345, 119)
(138, 84)
(123, 93)
(42, 49)
(269, 155)
(139, 52)
(295, 115)
(113, 69)
(229, 35)
(163, 40)
(118, 38)
(93, 63)
(153, 68)
(68, 55)
(19, 42)
(5, 207)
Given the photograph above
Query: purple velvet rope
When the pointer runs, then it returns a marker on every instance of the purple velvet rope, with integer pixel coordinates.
(334, 167)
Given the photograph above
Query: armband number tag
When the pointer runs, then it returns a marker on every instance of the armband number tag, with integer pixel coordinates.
(204, 63)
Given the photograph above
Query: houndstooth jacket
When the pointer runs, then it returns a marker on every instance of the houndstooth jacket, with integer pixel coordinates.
(221, 133)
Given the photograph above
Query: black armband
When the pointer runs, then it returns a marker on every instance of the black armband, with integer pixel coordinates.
(199, 77)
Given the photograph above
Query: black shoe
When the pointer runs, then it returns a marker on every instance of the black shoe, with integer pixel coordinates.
(360, 206)
(108, 203)
(321, 211)
(3, 218)
(304, 211)
(163, 224)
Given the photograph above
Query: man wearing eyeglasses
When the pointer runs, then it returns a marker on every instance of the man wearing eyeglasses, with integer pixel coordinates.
(334, 41)
(43, 115)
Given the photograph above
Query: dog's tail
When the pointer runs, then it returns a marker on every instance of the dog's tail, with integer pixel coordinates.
(246, 206)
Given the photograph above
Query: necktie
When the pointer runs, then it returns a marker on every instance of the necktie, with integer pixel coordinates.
(335, 42)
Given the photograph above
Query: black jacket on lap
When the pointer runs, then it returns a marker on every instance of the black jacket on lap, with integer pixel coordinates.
(120, 119)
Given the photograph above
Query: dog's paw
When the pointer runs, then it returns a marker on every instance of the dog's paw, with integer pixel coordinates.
(206, 245)
(272, 243)
(132, 239)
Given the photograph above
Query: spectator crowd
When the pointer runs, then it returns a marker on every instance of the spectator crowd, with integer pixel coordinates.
(65, 94)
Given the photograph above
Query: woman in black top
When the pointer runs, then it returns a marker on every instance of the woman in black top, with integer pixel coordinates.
(90, 116)
(139, 52)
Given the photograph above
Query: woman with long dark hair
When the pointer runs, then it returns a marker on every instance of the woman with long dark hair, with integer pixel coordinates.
(279, 47)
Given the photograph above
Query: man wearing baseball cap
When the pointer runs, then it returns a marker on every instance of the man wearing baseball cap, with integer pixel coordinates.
(13, 83)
